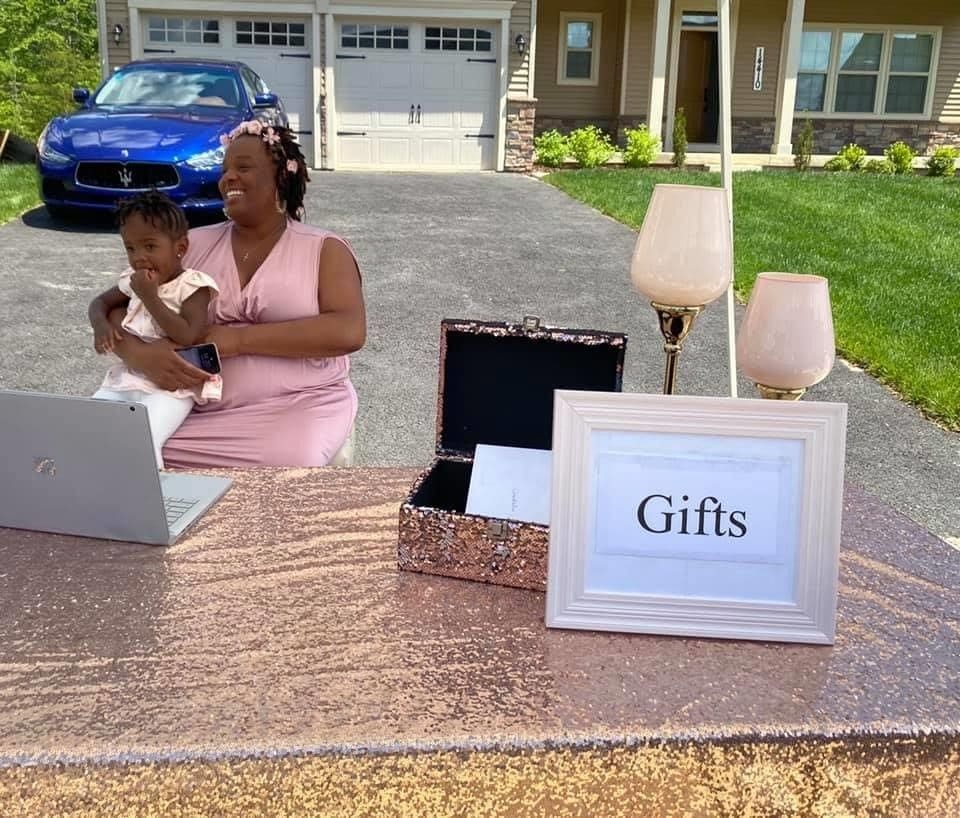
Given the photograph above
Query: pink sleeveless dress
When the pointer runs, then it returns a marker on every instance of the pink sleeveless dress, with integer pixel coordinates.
(273, 411)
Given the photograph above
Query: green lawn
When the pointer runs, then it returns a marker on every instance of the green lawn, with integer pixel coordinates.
(890, 247)
(18, 190)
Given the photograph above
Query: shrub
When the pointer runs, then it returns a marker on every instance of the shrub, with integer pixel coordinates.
(679, 139)
(854, 155)
(590, 146)
(642, 147)
(837, 163)
(943, 161)
(804, 148)
(552, 148)
(879, 166)
(901, 156)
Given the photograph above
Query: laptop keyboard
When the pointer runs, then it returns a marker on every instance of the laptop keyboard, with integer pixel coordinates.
(176, 507)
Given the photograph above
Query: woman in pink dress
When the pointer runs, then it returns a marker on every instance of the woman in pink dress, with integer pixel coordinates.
(290, 311)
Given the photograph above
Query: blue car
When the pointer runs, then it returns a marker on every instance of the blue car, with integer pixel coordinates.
(152, 124)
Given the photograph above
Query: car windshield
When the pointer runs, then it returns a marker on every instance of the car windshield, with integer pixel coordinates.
(175, 87)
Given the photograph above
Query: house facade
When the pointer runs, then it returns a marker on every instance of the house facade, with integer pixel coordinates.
(466, 84)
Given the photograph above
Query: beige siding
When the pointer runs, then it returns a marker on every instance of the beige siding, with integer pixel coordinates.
(946, 100)
(519, 66)
(117, 12)
(760, 23)
(640, 63)
(581, 101)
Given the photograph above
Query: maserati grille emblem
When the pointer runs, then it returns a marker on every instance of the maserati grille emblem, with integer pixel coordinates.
(126, 177)
(124, 153)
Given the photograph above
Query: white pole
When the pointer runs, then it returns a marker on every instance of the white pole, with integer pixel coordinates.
(726, 166)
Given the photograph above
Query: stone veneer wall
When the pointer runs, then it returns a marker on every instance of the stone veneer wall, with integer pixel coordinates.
(830, 135)
(567, 124)
(521, 116)
(614, 126)
(625, 122)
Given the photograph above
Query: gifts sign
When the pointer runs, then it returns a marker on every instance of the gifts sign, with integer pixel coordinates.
(719, 508)
(696, 516)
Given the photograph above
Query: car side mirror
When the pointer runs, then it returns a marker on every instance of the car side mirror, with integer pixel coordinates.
(81, 95)
(265, 101)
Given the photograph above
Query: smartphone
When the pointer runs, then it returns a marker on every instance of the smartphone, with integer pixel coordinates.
(202, 356)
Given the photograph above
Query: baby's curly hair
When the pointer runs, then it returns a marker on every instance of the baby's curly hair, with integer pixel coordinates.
(155, 208)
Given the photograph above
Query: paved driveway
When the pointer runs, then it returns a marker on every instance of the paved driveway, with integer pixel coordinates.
(470, 246)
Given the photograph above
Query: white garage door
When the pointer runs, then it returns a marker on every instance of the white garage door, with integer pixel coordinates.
(416, 95)
(277, 48)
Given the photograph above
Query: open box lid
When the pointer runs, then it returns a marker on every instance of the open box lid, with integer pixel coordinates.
(497, 380)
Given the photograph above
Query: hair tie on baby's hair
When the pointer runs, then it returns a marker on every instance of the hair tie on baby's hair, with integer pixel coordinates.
(292, 166)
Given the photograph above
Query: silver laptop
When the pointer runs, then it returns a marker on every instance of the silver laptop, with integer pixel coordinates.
(86, 467)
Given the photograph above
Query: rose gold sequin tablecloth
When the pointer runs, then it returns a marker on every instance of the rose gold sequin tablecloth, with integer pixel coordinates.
(275, 663)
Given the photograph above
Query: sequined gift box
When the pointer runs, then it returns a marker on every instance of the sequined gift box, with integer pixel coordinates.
(496, 385)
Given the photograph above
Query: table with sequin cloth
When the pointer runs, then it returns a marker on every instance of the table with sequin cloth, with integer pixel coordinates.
(276, 663)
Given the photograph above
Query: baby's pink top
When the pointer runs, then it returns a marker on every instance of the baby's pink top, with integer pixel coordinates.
(273, 411)
(138, 321)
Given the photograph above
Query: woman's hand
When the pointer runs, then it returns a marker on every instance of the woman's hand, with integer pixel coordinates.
(161, 364)
(227, 340)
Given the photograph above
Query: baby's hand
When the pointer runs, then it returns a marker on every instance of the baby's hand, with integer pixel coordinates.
(144, 282)
(105, 337)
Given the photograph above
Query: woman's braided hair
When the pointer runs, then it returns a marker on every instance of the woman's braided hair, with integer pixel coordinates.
(155, 208)
(289, 163)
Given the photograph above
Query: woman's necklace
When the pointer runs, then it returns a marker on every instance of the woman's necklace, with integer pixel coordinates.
(275, 236)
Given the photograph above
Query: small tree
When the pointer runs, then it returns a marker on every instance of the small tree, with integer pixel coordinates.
(45, 49)
(679, 139)
(804, 147)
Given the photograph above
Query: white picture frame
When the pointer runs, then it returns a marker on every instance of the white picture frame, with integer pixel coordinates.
(677, 568)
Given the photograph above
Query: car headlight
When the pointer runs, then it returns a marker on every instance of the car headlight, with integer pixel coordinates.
(208, 160)
(49, 154)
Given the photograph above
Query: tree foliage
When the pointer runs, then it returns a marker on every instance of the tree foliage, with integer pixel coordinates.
(46, 49)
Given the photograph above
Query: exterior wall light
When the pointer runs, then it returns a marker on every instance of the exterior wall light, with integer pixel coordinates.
(521, 43)
(117, 33)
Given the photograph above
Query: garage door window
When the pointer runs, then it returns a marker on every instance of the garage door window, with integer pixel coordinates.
(183, 30)
(269, 32)
(458, 39)
(354, 35)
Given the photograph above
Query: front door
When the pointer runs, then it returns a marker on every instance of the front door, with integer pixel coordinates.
(698, 85)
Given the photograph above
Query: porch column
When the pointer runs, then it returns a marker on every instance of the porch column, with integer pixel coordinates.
(783, 131)
(658, 79)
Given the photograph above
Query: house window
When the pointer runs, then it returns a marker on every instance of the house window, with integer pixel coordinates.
(579, 49)
(354, 35)
(190, 30)
(699, 19)
(457, 39)
(850, 71)
(269, 32)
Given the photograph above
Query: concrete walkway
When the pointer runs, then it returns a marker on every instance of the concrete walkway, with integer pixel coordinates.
(485, 246)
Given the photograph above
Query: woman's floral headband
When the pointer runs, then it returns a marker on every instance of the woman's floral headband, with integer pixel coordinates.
(254, 127)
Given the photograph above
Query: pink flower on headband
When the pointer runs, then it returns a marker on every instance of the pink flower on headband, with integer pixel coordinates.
(292, 166)
(254, 127)
(271, 137)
